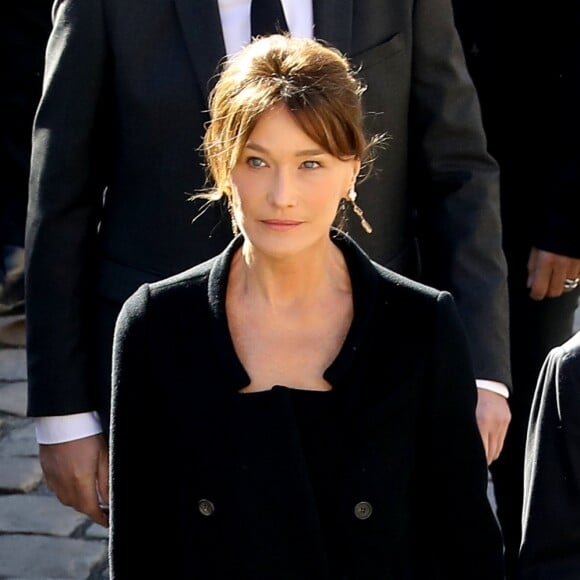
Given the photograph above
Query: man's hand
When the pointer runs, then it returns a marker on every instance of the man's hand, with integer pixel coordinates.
(547, 273)
(493, 417)
(78, 473)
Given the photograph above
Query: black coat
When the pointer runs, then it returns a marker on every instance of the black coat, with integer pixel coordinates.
(123, 112)
(551, 515)
(182, 436)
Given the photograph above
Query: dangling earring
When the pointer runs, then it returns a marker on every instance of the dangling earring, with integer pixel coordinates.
(235, 228)
(359, 212)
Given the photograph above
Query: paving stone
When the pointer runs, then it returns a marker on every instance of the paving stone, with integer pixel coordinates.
(20, 441)
(96, 531)
(33, 514)
(19, 474)
(13, 397)
(41, 557)
(10, 319)
(13, 333)
(13, 364)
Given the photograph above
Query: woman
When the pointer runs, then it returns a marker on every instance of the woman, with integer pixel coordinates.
(314, 412)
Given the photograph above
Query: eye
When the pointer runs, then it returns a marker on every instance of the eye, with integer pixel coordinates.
(310, 164)
(255, 162)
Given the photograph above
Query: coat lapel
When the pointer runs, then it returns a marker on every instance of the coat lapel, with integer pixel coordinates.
(333, 22)
(202, 31)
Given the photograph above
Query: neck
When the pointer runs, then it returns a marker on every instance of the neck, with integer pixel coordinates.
(293, 279)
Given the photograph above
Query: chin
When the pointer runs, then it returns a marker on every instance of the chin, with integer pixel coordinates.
(285, 245)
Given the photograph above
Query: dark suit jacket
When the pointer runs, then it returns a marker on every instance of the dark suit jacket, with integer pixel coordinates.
(407, 436)
(114, 158)
(551, 516)
(529, 88)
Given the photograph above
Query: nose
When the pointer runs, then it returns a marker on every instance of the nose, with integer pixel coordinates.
(281, 191)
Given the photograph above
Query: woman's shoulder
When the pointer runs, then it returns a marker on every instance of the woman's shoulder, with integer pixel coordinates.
(194, 277)
(400, 287)
(394, 288)
(172, 291)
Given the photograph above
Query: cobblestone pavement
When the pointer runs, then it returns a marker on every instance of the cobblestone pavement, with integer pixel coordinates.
(39, 538)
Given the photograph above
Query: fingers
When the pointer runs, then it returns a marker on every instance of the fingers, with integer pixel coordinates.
(495, 445)
(103, 487)
(493, 417)
(87, 502)
(75, 471)
(571, 283)
(550, 275)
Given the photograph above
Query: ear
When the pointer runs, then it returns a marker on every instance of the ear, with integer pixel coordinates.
(227, 188)
(356, 164)
(355, 171)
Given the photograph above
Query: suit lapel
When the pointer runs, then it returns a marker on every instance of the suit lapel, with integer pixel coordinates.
(202, 31)
(333, 22)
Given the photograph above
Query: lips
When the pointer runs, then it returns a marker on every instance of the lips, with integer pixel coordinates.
(284, 223)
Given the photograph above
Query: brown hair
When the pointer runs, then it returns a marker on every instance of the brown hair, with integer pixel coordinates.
(313, 80)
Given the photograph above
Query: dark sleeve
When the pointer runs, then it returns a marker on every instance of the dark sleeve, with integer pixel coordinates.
(471, 546)
(551, 512)
(65, 202)
(557, 230)
(456, 184)
(139, 477)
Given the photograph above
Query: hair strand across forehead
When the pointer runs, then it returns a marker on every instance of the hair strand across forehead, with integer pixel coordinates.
(314, 81)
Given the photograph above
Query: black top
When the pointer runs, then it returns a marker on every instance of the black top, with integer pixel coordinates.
(316, 419)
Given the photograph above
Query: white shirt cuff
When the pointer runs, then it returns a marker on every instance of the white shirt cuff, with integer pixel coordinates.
(61, 428)
(494, 386)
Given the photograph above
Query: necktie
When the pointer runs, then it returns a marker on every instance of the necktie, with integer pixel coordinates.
(267, 17)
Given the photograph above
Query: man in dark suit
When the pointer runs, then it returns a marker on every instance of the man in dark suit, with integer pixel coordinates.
(529, 87)
(114, 159)
(550, 547)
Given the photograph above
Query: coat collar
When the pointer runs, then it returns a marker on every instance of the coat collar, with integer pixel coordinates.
(201, 28)
(365, 282)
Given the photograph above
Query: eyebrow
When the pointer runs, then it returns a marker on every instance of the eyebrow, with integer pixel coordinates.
(302, 153)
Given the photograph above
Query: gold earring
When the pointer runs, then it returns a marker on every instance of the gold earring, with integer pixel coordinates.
(235, 228)
(359, 212)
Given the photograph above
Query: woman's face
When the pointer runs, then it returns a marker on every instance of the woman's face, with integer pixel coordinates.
(285, 188)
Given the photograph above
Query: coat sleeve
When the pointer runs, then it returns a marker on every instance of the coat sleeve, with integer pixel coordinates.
(550, 547)
(456, 183)
(139, 478)
(471, 546)
(65, 202)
